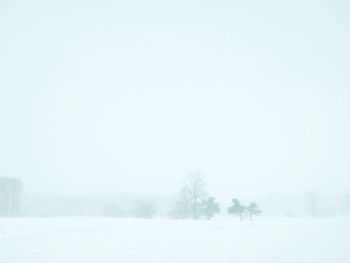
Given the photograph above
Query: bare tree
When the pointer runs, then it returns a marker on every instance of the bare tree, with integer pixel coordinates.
(196, 190)
(191, 195)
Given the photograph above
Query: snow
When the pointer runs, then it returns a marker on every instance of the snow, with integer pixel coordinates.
(109, 240)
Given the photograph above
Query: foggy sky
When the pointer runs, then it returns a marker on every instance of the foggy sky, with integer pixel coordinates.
(131, 96)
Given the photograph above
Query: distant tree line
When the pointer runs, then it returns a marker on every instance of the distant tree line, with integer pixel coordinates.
(140, 209)
(193, 201)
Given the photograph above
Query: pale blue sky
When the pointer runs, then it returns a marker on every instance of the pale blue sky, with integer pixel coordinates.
(130, 96)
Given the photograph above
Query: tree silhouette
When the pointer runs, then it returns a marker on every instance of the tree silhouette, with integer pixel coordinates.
(253, 209)
(193, 193)
(210, 207)
(190, 198)
(237, 209)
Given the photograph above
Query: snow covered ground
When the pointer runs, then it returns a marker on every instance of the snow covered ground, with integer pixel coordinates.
(107, 240)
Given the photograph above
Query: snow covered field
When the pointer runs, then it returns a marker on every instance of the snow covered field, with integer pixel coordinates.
(106, 240)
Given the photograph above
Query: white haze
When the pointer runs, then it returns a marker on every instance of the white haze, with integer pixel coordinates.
(131, 96)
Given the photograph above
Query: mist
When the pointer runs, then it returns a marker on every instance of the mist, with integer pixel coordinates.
(132, 97)
(109, 108)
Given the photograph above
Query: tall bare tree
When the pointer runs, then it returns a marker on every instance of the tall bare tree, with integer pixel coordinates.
(191, 196)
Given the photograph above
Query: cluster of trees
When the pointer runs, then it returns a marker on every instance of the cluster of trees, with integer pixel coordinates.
(194, 202)
(242, 211)
(10, 196)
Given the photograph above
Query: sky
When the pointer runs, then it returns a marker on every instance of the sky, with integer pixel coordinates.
(132, 96)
